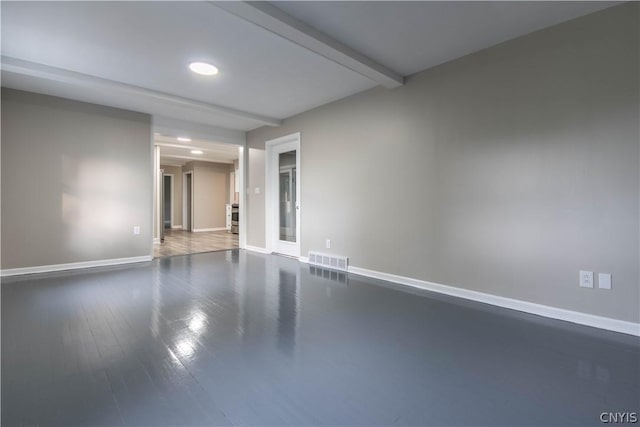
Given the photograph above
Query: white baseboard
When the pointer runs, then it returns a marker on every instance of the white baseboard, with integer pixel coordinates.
(513, 304)
(199, 230)
(156, 241)
(72, 266)
(176, 227)
(256, 249)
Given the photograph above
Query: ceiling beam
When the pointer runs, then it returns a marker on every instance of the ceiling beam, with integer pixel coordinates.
(174, 127)
(195, 158)
(272, 19)
(45, 72)
(208, 150)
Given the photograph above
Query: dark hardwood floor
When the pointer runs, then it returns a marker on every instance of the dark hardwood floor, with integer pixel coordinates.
(239, 338)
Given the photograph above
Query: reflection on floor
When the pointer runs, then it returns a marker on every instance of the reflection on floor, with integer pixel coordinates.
(179, 242)
(240, 338)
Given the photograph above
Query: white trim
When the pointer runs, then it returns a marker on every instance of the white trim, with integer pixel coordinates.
(80, 80)
(152, 193)
(157, 196)
(268, 208)
(200, 230)
(73, 266)
(273, 19)
(156, 241)
(271, 185)
(304, 259)
(176, 227)
(510, 303)
(256, 249)
(243, 212)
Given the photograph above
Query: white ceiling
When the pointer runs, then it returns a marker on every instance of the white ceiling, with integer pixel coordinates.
(135, 54)
(412, 36)
(150, 44)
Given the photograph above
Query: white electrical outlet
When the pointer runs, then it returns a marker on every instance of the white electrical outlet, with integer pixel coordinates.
(586, 279)
(604, 281)
(136, 229)
(328, 243)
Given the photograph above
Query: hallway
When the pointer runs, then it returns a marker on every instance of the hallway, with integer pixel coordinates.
(179, 242)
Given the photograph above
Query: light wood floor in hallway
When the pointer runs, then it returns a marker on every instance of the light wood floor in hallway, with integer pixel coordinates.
(179, 242)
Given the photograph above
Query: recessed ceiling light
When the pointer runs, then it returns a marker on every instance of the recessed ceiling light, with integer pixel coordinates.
(196, 151)
(203, 68)
(184, 139)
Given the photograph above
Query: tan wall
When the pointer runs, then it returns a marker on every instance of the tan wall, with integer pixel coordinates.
(211, 192)
(234, 192)
(76, 179)
(177, 192)
(505, 172)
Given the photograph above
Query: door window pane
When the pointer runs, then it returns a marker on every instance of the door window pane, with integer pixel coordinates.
(287, 196)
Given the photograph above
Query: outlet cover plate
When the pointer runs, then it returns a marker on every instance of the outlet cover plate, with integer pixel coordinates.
(586, 279)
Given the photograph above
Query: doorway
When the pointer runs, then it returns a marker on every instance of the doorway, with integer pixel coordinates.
(167, 208)
(187, 208)
(207, 204)
(283, 195)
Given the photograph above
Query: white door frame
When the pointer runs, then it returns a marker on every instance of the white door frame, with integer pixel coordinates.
(289, 142)
(157, 200)
(173, 178)
(243, 156)
(184, 201)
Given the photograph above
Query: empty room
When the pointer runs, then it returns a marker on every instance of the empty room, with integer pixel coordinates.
(320, 213)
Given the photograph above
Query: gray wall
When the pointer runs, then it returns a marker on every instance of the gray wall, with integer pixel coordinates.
(504, 172)
(255, 202)
(76, 179)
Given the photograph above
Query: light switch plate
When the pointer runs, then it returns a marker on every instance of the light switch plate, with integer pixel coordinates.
(586, 279)
(604, 281)
(136, 229)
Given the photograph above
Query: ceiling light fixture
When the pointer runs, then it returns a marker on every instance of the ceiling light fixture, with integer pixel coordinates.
(184, 139)
(196, 151)
(203, 68)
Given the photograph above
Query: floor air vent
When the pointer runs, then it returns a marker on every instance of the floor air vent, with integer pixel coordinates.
(329, 261)
(326, 273)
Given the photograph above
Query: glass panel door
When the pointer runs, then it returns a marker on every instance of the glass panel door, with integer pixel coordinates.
(283, 195)
(287, 196)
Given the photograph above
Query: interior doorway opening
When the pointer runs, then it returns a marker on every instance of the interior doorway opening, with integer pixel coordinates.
(200, 207)
(187, 203)
(167, 208)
